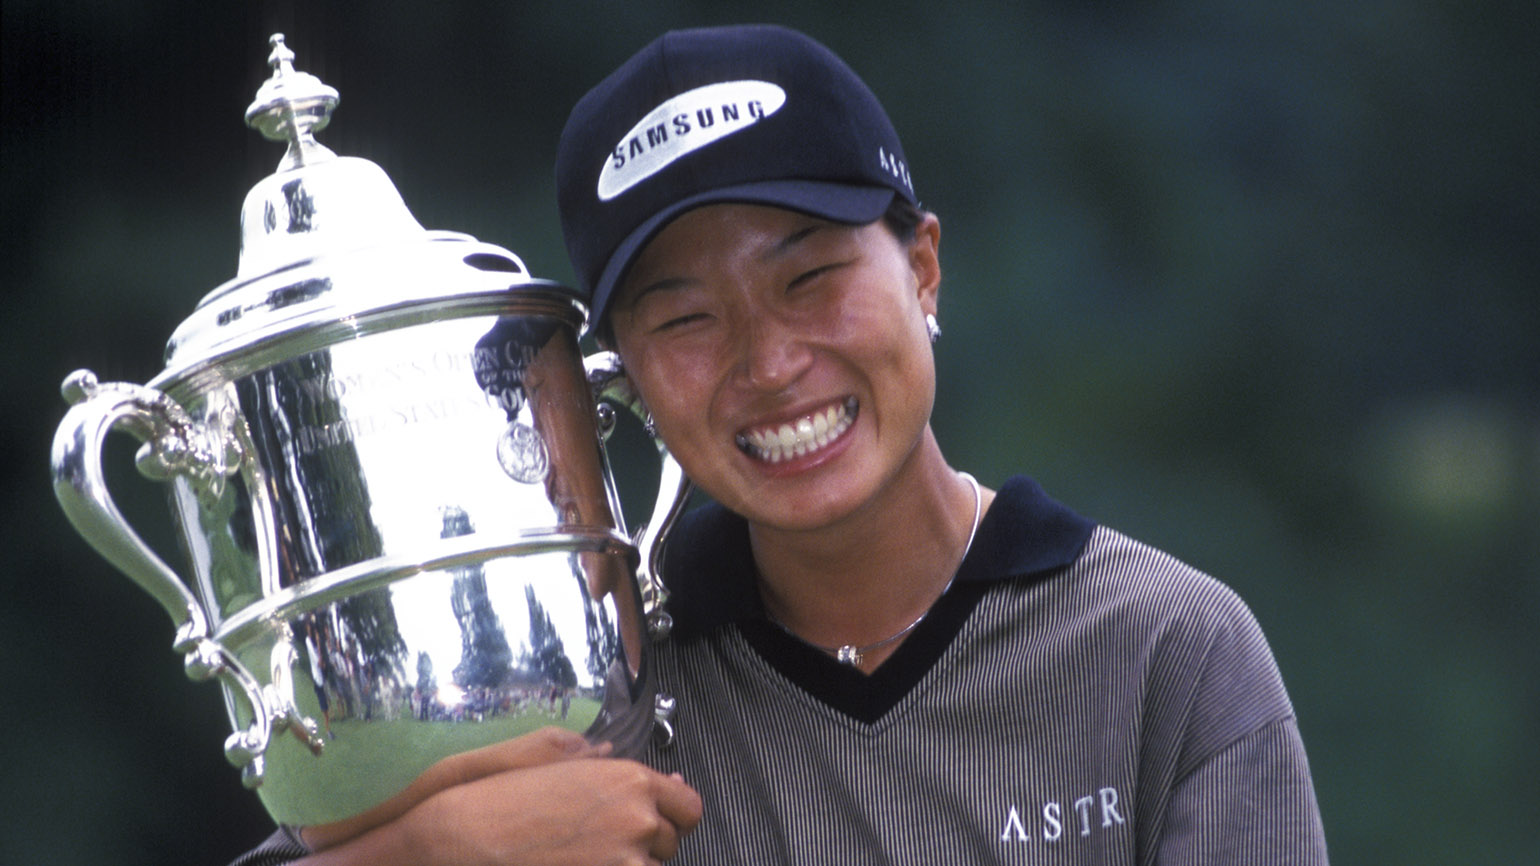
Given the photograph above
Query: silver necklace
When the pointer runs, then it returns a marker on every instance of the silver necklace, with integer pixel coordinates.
(848, 654)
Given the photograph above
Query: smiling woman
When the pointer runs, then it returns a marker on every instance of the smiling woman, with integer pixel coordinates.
(876, 658)
(751, 325)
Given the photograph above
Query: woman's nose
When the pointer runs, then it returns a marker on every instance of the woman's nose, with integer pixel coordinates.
(774, 356)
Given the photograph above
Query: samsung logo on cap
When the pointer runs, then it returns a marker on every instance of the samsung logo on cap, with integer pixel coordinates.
(685, 123)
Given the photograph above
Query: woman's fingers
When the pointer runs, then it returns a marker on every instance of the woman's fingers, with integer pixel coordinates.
(679, 803)
(545, 746)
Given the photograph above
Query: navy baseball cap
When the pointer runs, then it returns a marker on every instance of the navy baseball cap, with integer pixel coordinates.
(754, 114)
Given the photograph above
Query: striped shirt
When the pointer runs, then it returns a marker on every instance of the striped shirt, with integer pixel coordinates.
(1076, 697)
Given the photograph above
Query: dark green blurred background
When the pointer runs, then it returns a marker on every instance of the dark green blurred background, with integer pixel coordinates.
(1256, 282)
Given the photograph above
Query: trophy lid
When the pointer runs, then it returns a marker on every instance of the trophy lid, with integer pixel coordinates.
(316, 202)
(327, 239)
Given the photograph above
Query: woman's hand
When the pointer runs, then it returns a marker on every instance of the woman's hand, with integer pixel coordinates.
(544, 798)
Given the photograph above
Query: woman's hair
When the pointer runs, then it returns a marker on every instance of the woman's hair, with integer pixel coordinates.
(901, 219)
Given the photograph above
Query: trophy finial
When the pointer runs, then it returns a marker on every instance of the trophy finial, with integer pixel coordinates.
(282, 58)
(291, 106)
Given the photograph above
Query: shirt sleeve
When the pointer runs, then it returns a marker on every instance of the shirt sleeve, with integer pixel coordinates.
(1252, 803)
(284, 846)
(1239, 789)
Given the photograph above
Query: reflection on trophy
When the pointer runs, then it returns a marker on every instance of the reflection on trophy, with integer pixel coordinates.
(385, 453)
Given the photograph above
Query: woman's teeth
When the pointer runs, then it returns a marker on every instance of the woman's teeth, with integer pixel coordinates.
(801, 437)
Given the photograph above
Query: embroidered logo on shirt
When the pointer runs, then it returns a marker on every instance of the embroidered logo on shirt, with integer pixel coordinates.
(1085, 815)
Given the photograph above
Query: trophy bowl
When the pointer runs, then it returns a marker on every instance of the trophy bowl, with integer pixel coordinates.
(384, 451)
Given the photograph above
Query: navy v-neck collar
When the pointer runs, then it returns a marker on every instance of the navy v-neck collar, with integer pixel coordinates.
(709, 569)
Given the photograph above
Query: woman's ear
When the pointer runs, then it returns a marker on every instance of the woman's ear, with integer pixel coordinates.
(925, 260)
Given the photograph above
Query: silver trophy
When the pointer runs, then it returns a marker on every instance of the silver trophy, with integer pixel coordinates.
(385, 452)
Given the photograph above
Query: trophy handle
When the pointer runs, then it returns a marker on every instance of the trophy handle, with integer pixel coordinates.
(173, 444)
(608, 381)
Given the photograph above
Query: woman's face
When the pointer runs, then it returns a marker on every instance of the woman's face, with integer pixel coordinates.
(784, 358)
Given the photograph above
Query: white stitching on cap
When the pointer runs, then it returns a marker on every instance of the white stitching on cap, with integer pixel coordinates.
(682, 124)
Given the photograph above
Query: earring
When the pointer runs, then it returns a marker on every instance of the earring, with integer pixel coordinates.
(650, 425)
(932, 327)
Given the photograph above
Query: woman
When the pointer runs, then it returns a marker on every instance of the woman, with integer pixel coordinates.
(876, 659)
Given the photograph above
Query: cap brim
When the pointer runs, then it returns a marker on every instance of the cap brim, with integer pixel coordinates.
(840, 202)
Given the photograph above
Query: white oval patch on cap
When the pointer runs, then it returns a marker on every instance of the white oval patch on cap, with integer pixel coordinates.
(683, 124)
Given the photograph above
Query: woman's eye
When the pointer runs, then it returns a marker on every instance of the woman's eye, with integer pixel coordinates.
(680, 321)
(810, 275)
